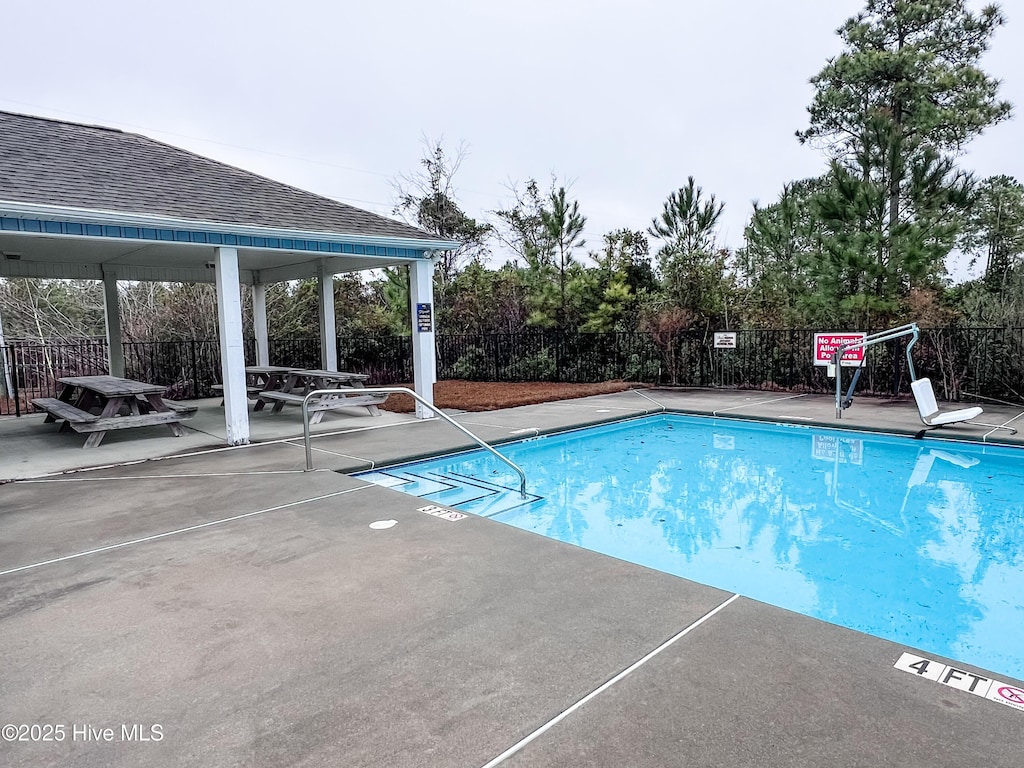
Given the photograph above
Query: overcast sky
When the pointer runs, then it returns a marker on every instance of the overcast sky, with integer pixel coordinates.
(622, 99)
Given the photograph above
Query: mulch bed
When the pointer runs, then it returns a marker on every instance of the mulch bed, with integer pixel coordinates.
(492, 395)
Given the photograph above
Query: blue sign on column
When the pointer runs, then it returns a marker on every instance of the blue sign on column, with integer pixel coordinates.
(424, 318)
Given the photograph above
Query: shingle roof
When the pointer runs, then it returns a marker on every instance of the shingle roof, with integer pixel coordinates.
(52, 162)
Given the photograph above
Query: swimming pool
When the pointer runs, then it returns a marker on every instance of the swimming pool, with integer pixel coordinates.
(917, 541)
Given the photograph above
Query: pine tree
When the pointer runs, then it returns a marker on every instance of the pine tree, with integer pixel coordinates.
(906, 93)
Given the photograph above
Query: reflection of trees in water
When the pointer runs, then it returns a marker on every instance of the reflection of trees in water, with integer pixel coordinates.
(559, 472)
(970, 534)
(1002, 533)
(920, 536)
(730, 499)
(697, 497)
(885, 535)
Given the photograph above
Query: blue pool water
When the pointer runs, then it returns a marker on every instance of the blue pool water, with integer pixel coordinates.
(920, 542)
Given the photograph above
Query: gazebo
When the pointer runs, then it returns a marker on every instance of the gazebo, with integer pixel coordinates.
(90, 202)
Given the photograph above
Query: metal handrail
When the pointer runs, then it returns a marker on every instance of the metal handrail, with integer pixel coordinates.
(867, 341)
(418, 399)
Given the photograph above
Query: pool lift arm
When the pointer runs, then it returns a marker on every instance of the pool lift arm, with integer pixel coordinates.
(910, 329)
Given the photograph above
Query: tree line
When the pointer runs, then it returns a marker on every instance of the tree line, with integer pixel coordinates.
(864, 245)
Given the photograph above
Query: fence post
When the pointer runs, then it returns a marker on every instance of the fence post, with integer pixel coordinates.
(14, 380)
(195, 370)
(791, 353)
(702, 352)
(558, 355)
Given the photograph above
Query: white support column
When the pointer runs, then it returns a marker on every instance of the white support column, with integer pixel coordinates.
(112, 310)
(232, 349)
(328, 335)
(259, 323)
(5, 380)
(424, 360)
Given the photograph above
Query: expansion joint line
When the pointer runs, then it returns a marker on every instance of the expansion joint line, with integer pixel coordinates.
(604, 687)
(651, 399)
(984, 438)
(175, 532)
(757, 402)
(104, 479)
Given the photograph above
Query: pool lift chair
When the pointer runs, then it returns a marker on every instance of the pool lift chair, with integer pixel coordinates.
(933, 418)
(924, 395)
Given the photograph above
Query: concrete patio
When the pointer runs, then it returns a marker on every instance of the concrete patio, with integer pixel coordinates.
(29, 448)
(246, 608)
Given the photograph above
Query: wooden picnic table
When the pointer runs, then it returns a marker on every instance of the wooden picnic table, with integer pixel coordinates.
(299, 382)
(266, 378)
(259, 378)
(307, 379)
(98, 404)
(262, 374)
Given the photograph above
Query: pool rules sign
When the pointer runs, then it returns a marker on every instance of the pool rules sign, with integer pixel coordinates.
(424, 318)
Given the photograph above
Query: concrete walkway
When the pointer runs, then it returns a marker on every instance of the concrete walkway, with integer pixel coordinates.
(225, 608)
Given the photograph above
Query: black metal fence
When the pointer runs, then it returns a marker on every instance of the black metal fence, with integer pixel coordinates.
(963, 363)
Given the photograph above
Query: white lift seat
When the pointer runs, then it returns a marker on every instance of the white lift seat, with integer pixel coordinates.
(924, 395)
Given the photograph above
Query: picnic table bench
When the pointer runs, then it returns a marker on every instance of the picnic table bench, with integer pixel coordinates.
(98, 404)
(260, 378)
(58, 409)
(300, 382)
(252, 391)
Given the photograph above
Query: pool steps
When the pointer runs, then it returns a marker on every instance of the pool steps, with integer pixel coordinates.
(451, 490)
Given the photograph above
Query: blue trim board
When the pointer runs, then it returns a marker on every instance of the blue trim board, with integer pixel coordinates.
(8, 224)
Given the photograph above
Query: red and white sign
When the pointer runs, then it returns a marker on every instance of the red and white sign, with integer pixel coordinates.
(826, 344)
